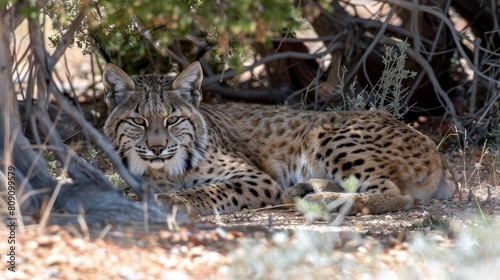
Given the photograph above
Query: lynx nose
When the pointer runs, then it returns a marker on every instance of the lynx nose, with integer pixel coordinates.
(157, 149)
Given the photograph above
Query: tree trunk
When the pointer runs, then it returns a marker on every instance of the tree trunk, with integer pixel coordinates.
(88, 195)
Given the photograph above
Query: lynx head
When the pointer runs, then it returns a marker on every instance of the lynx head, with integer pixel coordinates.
(154, 122)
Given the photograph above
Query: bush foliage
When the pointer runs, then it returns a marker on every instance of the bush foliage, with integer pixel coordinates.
(138, 30)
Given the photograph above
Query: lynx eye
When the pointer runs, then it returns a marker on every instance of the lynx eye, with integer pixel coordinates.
(139, 121)
(172, 120)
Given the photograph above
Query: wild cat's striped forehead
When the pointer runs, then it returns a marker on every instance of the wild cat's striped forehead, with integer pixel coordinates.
(155, 95)
(153, 107)
(153, 82)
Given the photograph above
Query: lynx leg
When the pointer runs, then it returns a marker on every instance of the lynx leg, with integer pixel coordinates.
(375, 197)
(223, 197)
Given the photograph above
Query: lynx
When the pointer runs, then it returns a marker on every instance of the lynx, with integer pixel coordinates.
(223, 158)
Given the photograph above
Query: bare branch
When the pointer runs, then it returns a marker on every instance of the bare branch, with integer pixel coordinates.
(300, 55)
(67, 37)
(372, 45)
(439, 14)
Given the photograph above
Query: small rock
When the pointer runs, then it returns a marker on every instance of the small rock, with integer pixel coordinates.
(174, 274)
(77, 243)
(362, 250)
(128, 273)
(56, 260)
(223, 271)
(32, 245)
(53, 272)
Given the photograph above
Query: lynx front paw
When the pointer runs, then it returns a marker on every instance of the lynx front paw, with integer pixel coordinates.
(299, 190)
(331, 201)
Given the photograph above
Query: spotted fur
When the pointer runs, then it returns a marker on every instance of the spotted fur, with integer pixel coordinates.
(224, 158)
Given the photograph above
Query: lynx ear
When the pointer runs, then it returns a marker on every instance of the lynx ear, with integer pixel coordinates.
(116, 83)
(188, 82)
(190, 77)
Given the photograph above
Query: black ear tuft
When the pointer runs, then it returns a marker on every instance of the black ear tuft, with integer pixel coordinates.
(203, 49)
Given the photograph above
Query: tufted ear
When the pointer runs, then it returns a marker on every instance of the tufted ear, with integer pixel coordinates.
(190, 77)
(116, 83)
(188, 82)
